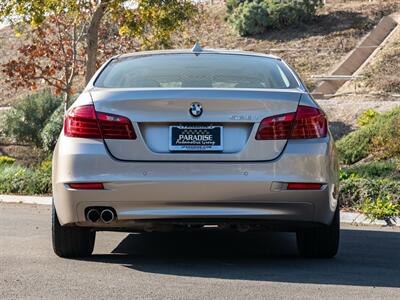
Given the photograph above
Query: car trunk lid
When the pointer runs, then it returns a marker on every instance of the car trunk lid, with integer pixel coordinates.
(154, 111)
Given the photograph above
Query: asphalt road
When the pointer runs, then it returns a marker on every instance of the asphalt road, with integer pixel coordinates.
(206, 265)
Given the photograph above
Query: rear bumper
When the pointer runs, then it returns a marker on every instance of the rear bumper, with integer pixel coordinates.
(195, 190)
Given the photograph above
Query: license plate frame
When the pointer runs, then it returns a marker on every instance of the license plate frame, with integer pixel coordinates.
(207, 138)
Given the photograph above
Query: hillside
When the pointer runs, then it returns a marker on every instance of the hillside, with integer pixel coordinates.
(9, 43)
(379, 77)
(310, 48)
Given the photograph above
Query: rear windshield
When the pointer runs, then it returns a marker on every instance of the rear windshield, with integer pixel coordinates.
(196, 71)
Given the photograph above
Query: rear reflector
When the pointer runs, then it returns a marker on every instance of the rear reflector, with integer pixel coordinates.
(306, 123)
(87, 186)
(85, 122)
(304, 186)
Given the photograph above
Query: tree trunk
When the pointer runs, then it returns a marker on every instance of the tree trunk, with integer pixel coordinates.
(66, 99)
(93, 39)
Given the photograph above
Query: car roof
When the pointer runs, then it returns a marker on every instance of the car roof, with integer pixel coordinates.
(197, 52)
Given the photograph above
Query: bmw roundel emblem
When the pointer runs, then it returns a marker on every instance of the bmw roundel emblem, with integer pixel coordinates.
(196, 109)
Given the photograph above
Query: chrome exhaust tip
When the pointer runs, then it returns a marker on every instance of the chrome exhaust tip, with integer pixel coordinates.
(107, 216)
(93, 215)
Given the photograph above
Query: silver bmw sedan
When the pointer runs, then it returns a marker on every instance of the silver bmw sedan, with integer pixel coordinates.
(185, 139)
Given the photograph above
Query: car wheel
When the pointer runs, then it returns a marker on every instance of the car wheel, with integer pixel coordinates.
(71, 241)
(322, 242)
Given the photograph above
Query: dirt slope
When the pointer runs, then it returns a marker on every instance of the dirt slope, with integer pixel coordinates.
(380, 77)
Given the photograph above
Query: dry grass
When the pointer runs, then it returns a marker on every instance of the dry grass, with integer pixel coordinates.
(382, 74)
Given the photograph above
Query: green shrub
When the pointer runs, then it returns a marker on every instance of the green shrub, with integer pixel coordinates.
(354, 146)
(380, 137)
(250, 18)
(367, 117)
(256, 16)
(27, 117)
(16, 179)
(231, 5)
(386, 144)
(381, 209)
(355, 190)
(51, 131)
(374, 169)
(347, 174)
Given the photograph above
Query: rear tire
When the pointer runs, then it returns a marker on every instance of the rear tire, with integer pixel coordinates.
(71, 241)
(320, 242)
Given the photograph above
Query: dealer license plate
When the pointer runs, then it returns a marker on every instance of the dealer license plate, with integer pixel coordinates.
(195, 138)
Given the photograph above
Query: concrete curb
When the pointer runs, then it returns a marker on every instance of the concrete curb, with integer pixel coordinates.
(42, 200)
(360, 219)
(345, 217)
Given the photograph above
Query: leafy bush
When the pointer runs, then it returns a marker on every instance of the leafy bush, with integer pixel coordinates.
(22, 180)
(386, 144)
(366, 117)
(354, 146)
(256, 16)
(381, 209)
(374, 169)
(380, 137)
(355, 190)
(250, 18)
(26, 119)
(51, 131)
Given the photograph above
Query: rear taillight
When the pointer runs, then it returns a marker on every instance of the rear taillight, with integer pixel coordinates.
(85, 122)
(276, 127)
(310, 123)
(115, 127)
(81, 122)
(306, 123)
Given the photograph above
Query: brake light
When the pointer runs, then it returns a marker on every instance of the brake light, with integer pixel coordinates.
(85, 122)
(310, 123)
(81, 122)
(304, 186)
(87, 186)
(306, 123)
(115, 127)
(275, 128)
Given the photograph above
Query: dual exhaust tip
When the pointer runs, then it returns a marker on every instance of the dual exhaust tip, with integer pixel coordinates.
(104, 215)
